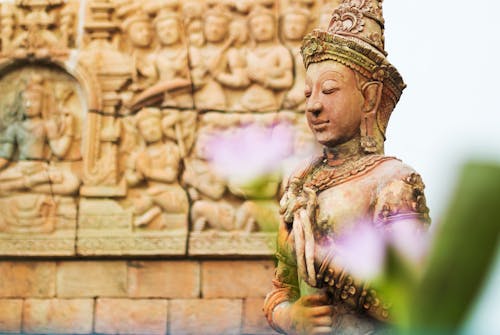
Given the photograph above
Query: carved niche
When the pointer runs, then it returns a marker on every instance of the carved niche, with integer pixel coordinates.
(106, 106)
(41, 119)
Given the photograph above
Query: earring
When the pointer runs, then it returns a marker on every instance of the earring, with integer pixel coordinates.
(368, 142)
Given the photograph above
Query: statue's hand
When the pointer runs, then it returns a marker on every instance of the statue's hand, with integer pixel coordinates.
(53, 129)
(311, 315)
(257, 76)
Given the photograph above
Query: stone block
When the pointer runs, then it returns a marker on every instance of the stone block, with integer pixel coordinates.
(10, 315)
(254, 321)
(27, 279)
(129, 316)
(157, 279)
(77, 279)
(236, 279)
(58, 316)
(205, 316)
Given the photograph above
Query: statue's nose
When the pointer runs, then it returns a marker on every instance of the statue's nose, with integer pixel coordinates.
(314, 108)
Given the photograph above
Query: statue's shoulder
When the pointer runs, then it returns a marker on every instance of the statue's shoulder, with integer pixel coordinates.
(303, 169)
(400, 193)
(391, 168)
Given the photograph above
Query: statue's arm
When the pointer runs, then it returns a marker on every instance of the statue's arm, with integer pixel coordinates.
(60, 137)
(237, 76)
(7, 142)
(285, 284)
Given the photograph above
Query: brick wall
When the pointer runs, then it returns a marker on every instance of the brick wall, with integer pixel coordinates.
(210, 297)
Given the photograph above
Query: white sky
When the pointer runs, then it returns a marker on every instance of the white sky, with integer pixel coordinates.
(448, 51)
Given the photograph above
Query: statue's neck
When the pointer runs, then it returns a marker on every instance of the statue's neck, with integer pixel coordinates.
(348, 151)
(265, 44)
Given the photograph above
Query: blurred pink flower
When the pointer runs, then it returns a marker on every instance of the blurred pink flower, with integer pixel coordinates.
(411, 240)
(245, 154)
(361, 251)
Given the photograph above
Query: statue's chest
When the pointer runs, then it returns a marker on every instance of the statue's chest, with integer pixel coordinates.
(342, 207)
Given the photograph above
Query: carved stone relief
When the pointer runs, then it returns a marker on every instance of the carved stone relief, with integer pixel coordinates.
(226, 217)
(118, 98)
(41, 119)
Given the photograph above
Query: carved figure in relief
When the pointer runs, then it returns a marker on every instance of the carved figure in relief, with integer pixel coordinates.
(38, 137)
(193, 21)
(208, 61)
(206, 189)
(214, 208)
(171, 59)
(234, 76)
(140, 34)
(351, 91)
(269, 64)
(158, 166)
(294, 24)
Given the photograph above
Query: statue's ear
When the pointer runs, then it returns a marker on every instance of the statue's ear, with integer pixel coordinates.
(372, 92)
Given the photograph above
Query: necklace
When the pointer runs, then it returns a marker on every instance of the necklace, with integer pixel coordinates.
(324, 177)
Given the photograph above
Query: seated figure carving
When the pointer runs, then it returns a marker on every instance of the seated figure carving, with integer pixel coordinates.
(35, 136)
(171, 59)
(210, 59)
(158, 166)
(294, 24)
(33, 177)
(269, 64)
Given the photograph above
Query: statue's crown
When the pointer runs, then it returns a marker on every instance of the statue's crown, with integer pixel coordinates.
(362, 19)
(355, 38)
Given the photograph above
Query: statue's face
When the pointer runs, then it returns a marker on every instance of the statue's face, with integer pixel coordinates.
(262, 28)
(195, 33)
(215, 29)
(150, 129)
(140, 34)
(334, 106)
(168, 31)
(294, 27)
(32, 103)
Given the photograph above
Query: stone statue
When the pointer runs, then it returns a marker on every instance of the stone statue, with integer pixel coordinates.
(351, 91)
(269, 64)
(38, 137)
(158, 166)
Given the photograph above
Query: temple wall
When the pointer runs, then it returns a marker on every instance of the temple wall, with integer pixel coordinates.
(111, 218)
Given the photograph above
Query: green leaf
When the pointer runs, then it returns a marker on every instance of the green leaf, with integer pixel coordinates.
(463, 252)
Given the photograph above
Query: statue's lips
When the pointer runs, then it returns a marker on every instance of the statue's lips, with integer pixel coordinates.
(320, 125)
